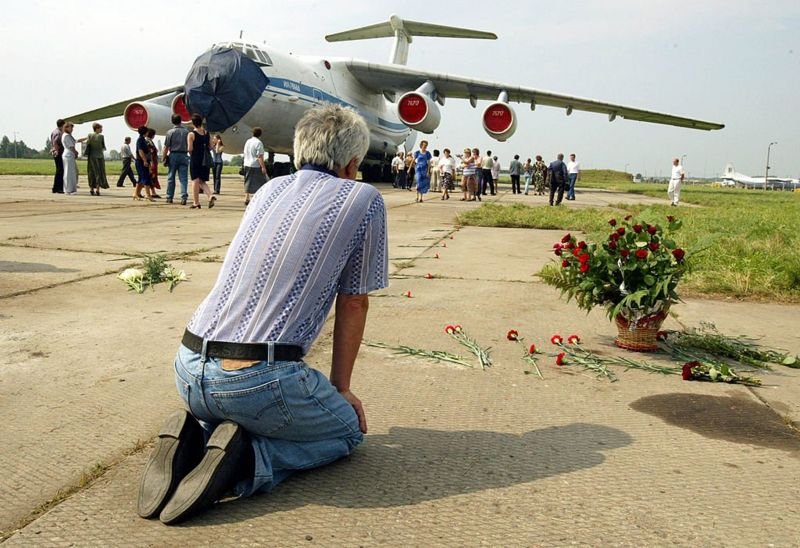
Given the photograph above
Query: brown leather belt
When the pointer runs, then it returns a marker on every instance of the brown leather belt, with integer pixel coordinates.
(260, 352)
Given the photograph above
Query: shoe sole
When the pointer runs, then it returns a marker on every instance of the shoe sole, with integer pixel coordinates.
(159, 479)
(210, 479)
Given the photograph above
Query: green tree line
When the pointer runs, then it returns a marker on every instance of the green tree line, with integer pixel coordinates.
(10, 149)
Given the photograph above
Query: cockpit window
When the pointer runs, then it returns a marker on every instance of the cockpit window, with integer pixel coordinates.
(250, 51)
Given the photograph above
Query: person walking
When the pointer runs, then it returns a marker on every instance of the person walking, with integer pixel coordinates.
(96, 162)
(487, 164)
(527, 171)
(314, 240)
(514, 170)
(199, 146)
(142, 166)
(57, 152)
(447, 168)
(399, 170)
(422, 160)
(434, 171)
(176, 153)
(70, 159)
(255, 170)
(574, 172)
(557, 173)
(153, 150)
(539, 176)
(495, 175)
(127, 158)
(675, 182)
(217, 148)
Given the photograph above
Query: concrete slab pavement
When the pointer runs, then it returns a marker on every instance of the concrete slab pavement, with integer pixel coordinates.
(455, 456)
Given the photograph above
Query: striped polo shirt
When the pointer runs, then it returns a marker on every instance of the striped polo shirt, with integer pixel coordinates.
(303, 239)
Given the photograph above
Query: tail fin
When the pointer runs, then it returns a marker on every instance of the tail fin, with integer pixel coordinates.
(403, 31)
(729, 171)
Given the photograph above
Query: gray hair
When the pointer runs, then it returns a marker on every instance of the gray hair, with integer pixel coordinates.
(330, 136)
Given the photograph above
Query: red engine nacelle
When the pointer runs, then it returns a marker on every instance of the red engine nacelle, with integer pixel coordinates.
(499, 121)
(418, 111)
(179, 108)
(152, 115)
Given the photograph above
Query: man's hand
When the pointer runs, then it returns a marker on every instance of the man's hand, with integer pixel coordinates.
(359, 409)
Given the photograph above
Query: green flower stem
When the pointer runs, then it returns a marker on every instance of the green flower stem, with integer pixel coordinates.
(438, 355)
(528, 357)
(473, 346)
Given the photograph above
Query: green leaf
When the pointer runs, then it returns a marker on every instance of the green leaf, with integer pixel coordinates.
(650, 280)
(789, 360)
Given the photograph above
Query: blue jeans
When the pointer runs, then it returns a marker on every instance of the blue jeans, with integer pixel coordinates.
(295, 417)
(178, 161)
(571, 189)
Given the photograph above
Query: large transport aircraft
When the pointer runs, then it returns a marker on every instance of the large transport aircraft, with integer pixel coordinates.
(237, 86)
(731, 177)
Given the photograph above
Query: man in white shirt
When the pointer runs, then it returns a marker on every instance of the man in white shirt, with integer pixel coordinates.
(255, 170)
(127, 158)
(434, 171)
(574, 171)
(675, 182)
(399, 170)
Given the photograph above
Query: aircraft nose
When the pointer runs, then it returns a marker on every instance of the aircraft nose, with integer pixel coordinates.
(222, 86)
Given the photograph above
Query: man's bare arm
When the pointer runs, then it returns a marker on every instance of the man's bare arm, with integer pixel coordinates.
(348, 330)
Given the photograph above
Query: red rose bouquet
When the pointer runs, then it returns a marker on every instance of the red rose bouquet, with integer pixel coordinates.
(634, 272)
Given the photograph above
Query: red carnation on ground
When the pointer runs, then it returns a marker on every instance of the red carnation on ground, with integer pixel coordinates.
(532, 349)
(613, 222)
(457, 327)
(569, 245)
(576, 251)
(450, 329)
(624, 253)
(566, 238)
(651, 229)
(408, 294)
(428, 276)
(614, 237)
(612, 244)
(557, 245)
(512, 335)
(564, 263)
(662, 335)
(556, 339)
(582, 244)
(560, 358)
(437, 255)
(584, 268)
(558, 251)
(686, 371)
(641, 254)
(637, 228)
(621, 231)
(573, 339)
(678, 253)
(628, 217)
(583, 258)
(653, 246)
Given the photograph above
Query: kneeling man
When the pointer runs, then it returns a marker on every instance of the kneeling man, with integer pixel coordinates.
(256, 411)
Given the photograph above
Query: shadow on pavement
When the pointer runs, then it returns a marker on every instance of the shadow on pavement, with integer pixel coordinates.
(412, 465)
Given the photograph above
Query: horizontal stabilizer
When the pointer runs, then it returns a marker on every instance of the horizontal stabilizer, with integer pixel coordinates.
(403, 31)
(411, 28)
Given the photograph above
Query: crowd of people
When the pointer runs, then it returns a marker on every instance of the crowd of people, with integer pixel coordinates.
(424, 172)
(186, 153)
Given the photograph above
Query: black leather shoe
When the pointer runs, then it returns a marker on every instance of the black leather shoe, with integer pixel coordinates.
(183, 201)
(178, 449)
(212, 478)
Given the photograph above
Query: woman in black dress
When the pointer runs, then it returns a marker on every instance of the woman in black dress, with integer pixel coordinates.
(199, 143)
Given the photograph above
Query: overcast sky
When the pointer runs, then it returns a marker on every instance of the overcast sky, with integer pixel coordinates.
(730, 61)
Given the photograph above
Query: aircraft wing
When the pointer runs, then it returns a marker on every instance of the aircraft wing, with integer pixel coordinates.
(117, 109)
(384, 78)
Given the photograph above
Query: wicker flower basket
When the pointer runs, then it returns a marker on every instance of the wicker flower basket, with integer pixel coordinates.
(639, 335)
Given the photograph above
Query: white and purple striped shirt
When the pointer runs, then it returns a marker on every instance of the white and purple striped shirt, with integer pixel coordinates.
(303, 239)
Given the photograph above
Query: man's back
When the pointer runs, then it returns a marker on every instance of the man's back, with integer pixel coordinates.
(558, 169)
(176, 139)
(304, 238)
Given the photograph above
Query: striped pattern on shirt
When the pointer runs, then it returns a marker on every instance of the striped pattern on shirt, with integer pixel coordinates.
(304, 238)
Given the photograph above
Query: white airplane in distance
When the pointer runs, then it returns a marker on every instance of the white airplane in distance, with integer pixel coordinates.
(236, 86)
(731, 177)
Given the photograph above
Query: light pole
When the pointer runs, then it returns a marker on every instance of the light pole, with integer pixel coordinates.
(766, 172)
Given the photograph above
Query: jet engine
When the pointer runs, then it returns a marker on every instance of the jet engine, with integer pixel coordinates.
(179, 108)
(499, 121)
(418, 111)
(147, 113)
